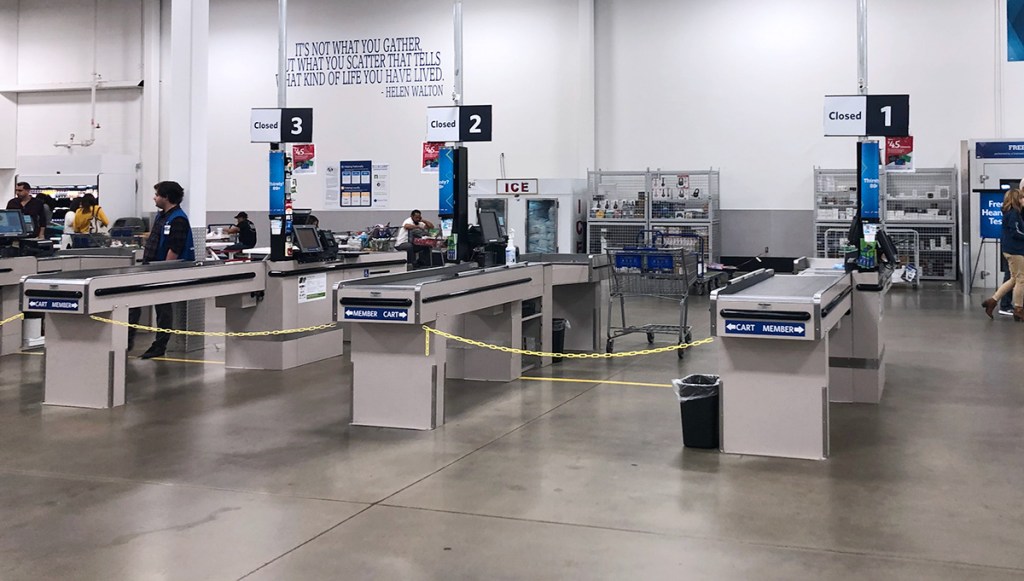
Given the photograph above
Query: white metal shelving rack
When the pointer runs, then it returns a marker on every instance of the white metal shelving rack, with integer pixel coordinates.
(625, 203)
(920, 207)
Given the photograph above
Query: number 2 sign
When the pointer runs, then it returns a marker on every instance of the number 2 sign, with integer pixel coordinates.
(466, 123)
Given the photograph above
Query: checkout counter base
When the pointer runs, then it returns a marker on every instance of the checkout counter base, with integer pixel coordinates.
(775, 398)
(276, 353)
(89, 357)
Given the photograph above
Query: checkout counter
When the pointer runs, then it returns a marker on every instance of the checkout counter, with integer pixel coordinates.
(579, 294)
(13, 269)
(394, 384)
(297, 295)
(85, 359)
(789, 346)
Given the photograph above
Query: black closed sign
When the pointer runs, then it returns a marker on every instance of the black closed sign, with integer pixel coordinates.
(296, 125)
(888, 115)
(475, 123)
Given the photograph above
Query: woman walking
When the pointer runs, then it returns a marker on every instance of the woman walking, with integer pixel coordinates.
(1012, 241)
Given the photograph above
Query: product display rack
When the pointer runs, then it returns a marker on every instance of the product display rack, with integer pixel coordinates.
(922, 202)
(925, 201)
(623, 204)
(835, 205)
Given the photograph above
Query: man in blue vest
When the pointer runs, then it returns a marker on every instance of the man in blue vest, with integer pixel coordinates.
(170, 238)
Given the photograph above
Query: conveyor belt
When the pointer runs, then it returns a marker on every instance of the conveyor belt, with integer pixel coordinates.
(787, 288)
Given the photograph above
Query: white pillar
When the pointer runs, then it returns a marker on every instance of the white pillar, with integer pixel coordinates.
(586, 90)
(186, 106)
(150, 146)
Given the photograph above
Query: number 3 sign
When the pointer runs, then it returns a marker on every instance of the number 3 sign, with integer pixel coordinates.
(281, 126)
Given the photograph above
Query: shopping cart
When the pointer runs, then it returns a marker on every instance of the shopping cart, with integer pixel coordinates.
(705, 279)
(651, 271)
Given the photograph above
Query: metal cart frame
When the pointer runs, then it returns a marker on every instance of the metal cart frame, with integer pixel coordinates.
(651, 271)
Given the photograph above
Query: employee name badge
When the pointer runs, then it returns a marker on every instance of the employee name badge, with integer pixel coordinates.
(167, 229)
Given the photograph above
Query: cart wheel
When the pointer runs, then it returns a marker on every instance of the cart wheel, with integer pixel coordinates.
(608, 347)
(681, 353)
(650, 338)
(689, 337)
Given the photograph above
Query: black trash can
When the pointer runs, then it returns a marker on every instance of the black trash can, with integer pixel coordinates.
(698, 397)
(557, 338)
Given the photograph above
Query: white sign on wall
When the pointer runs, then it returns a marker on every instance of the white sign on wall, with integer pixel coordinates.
(442, 124)
(518, 187)
(845, 115)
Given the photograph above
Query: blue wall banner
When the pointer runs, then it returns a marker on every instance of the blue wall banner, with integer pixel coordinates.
(1015, 30)
(276, 183)
(991, 218)
(869, 183)
(999, 149)
(446, 182)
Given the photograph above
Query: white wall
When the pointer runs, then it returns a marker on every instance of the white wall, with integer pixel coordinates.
(55, 45)
(521, 58)
(681, 84)
(738, 85)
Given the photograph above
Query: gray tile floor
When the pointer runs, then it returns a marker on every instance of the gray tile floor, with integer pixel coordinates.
(215, 474)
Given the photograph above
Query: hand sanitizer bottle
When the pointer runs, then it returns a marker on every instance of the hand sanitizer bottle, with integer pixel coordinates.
(510, 249)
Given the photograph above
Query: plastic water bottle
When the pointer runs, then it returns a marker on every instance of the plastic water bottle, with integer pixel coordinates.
(510, 249)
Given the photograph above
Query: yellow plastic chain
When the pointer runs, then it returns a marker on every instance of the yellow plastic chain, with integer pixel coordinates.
(216, 333)
(14, 318)
(666, 349)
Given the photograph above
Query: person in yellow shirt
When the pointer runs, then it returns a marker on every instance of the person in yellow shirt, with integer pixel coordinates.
(89, 216)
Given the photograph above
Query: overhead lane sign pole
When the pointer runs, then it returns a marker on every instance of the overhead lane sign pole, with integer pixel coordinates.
(456, 124)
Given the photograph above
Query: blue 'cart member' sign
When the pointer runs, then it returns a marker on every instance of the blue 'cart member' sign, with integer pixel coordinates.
(991, 219)
(53, 304)
(376, 314)
(765, 328)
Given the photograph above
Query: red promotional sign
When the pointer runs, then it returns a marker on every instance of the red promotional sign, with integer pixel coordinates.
(431, 151)
(899, 154)
(303, 158)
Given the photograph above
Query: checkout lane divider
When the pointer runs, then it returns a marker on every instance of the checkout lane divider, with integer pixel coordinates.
(215, 333)
(428, 331)
(14, 318)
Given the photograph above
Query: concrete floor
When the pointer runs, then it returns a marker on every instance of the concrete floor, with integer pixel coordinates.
(209, 474)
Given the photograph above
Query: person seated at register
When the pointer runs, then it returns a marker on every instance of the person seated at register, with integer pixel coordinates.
(246, 232)
(414, 227)
(89, 216)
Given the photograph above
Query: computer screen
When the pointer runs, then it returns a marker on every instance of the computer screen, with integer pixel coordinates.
(300, 216)
(887, 248)
(307, 240)
(490, 230)
(12, 224)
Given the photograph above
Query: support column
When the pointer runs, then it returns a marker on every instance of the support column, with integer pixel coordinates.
(186, 110)
(150, 146)
(586, 98)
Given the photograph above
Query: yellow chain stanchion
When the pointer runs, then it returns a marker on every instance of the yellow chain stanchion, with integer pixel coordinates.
(14, 318)
(216, 333)
(430, 330)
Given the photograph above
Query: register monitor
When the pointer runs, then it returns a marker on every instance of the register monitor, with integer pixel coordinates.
(12, 224)
(490, 229)
(307, 241)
